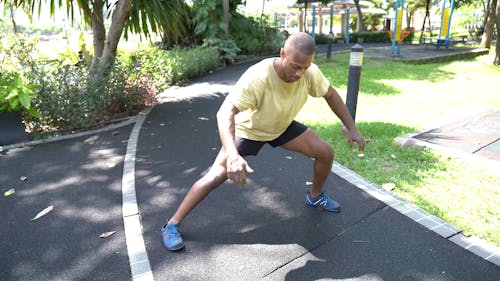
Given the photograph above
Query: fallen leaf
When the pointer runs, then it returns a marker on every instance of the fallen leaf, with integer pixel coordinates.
(9, 192)
(23, 178)
(107, 234)
(43, 212)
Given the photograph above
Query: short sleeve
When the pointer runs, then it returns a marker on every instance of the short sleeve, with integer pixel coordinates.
(318, 83)
(249, 89)
(243, 95)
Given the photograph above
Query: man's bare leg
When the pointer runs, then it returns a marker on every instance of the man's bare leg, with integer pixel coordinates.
(216, 176)
(310, 144)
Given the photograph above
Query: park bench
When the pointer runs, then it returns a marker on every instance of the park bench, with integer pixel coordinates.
(446, 42)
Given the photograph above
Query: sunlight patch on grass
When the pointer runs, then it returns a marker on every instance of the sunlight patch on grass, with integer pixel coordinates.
(396, 99)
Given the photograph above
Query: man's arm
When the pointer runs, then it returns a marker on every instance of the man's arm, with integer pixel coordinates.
(236, 166)
(340, 109)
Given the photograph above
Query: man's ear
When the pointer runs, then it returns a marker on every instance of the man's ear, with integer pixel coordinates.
(282, 53)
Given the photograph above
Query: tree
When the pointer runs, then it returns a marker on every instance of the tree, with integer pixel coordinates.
(226, 16)
(12, 6)
(490, 24)
(411, 8)
(136, 16)
(426, 17)
(497, 56)
(305, 2)
(360, 25)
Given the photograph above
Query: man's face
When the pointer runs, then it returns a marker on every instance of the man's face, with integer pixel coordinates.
(295, 64)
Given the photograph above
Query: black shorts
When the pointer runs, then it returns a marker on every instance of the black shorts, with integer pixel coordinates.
(251, 147)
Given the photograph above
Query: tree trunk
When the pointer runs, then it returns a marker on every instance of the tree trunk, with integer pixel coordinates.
(262, 13)
(427, 16)
(98, 30)
(120, 16)
(305, 16)
(13, 19)
(488, 29)
(497, 55)
(226, 17)
(486, 12)
(360, 25)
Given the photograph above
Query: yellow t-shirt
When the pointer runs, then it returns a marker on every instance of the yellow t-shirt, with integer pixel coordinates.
(268, 104)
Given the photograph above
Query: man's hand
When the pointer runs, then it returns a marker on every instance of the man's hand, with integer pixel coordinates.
(356, 137)
(237, 168)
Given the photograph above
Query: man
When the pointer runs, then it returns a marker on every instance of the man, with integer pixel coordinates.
(261, 109)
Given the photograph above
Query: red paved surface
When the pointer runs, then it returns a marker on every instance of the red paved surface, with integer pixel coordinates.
(479, 134)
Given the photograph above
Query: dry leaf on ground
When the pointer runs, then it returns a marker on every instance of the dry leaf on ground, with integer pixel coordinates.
(107, 234)
(43, 212)
(9, 192)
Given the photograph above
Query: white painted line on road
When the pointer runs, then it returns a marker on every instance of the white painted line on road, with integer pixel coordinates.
(137, 255)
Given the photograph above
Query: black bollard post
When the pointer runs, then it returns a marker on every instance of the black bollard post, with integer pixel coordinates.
(329, 49)
(354, 77)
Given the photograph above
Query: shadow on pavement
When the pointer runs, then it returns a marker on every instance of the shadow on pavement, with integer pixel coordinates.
(264, 231)
(81, 179)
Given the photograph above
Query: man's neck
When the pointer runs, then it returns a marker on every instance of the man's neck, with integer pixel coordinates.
(279, 70)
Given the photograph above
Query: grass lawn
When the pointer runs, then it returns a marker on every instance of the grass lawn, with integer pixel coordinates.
(397, 98)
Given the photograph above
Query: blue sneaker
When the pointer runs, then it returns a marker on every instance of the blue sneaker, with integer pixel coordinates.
(172, 238)
(322, 202)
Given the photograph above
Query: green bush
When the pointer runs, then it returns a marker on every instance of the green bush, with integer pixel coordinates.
(71, 98)
(168, 67)
(370, 37)
(252, 39)
(17, 64)
(376, 37)
(15, 94)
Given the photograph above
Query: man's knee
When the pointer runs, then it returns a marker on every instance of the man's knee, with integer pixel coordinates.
(327, 154)
(216, 175)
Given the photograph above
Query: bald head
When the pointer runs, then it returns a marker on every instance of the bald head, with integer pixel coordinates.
(301, 42)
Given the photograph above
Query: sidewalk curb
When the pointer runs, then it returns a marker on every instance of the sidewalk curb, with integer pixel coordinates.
(130, 121)
(451, 233)
(140, 266)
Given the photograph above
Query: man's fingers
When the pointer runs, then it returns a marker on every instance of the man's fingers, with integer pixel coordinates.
(362, 145)
(248, 169)
(238, 178)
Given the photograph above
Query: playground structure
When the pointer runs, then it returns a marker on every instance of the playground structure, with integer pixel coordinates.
(444, 32)
(396, 33)
(318, 12)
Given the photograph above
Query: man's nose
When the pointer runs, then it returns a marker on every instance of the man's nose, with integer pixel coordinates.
(300, 72)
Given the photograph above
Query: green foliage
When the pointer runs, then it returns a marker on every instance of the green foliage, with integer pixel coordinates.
(167, 67)
(209, 25)
(252, 39)
(15, 94)
(370, 37)
(72, 98)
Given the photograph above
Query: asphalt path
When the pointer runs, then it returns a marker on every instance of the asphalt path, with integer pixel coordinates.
(261, 232)
(81, 179)
(264, 231)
